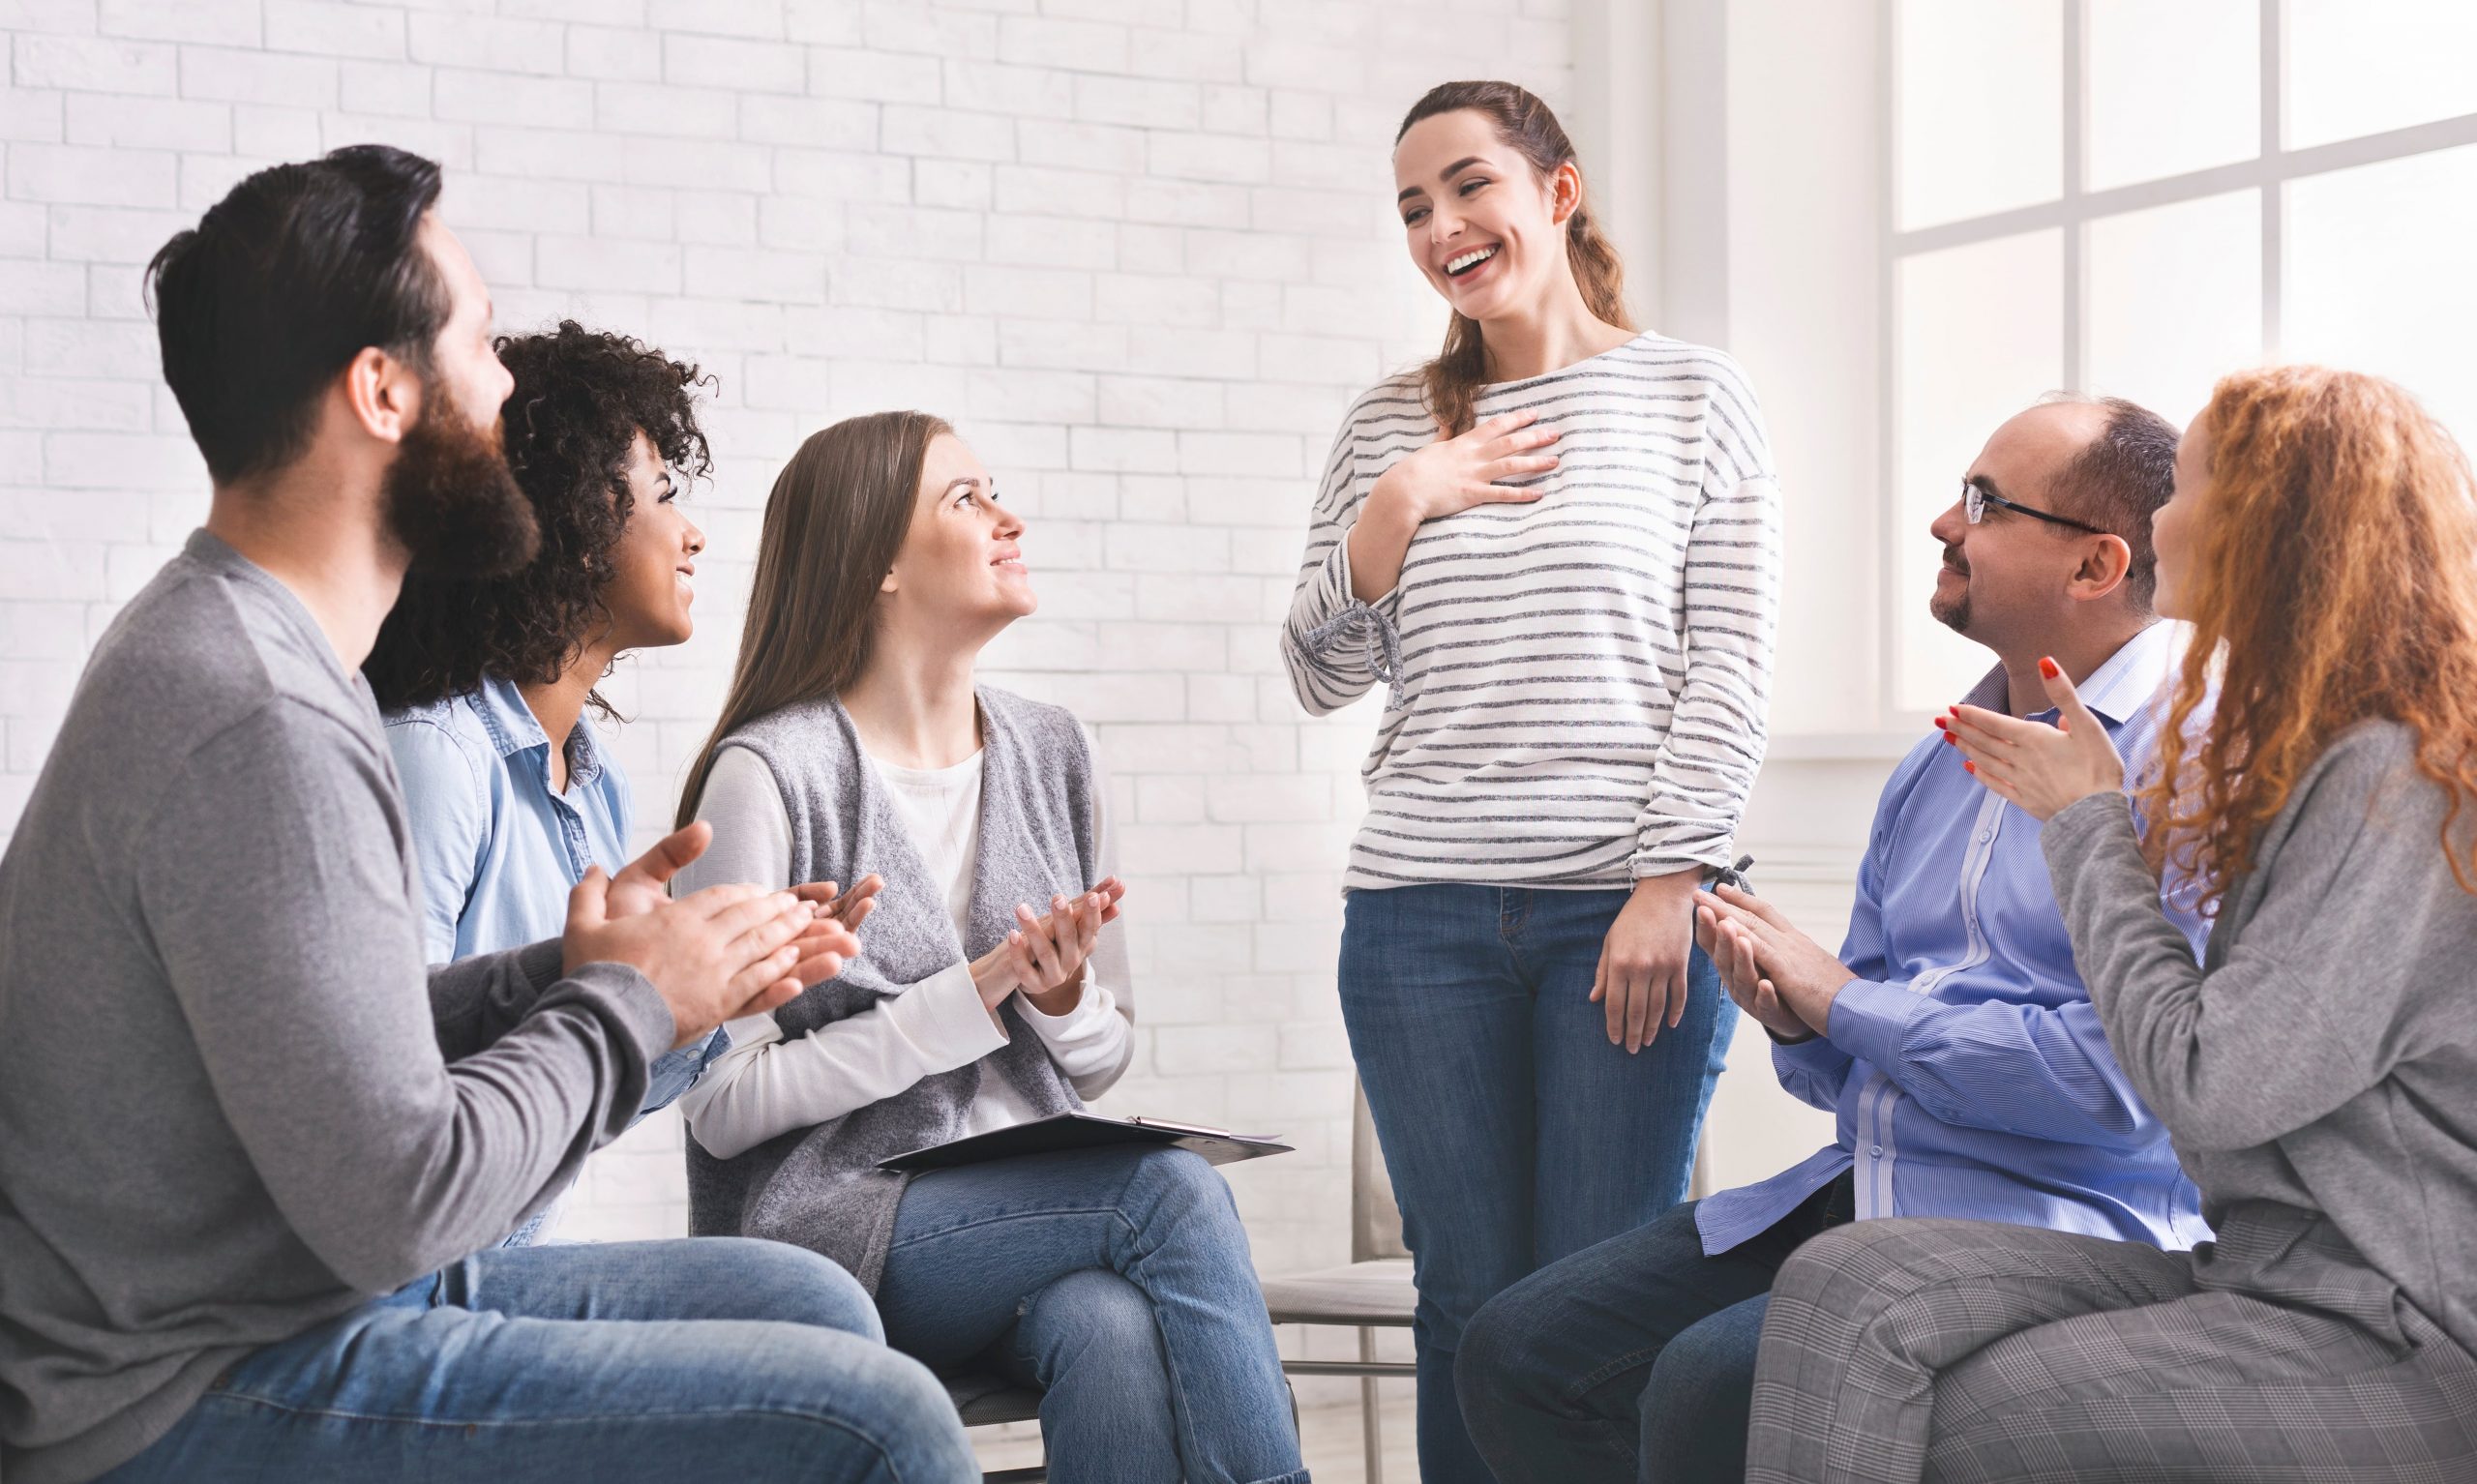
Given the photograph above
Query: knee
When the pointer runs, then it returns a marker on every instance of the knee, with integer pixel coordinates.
(1707, 1371)
(803, 1288)
(1094, 1321)
(1179, 1186)
(902, 1409)
(1498, 1359)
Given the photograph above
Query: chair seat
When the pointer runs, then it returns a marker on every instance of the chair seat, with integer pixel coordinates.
(982, 1400)
(1374, 1292)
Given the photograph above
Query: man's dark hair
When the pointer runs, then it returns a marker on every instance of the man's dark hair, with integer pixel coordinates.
(580, 398)
(2119, 481)
(297, 271)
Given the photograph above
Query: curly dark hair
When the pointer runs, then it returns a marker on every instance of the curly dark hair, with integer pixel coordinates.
(582, 397)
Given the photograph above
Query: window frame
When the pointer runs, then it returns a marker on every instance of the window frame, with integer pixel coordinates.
(2070, 214)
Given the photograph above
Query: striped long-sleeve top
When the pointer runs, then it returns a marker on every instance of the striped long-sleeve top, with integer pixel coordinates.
(1577, 686)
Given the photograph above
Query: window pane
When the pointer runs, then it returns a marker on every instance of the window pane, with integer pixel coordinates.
(1980, 116)
(2359, 67)
(1981, 337)
(2176, 300)
(2377, 276)
(2172, 87)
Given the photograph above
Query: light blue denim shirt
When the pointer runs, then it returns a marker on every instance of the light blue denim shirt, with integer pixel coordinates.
(1966, 1064)
(499, 851)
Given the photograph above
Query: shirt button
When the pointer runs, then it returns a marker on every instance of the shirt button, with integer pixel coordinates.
(1877, 1151)
(1986, 837)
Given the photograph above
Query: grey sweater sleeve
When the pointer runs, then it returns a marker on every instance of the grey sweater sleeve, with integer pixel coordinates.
(2316, 985)
(275, 891)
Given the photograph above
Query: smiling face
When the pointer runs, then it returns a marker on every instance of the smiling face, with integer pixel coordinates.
(961, 569)
(654, 563)
(2004, 580)
(1486, 230)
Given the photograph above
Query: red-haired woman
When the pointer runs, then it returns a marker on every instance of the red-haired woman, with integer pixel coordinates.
(1556, 547)
(2318, 1070)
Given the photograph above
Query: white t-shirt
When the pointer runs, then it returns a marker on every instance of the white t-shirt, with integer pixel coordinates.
(766, 1086)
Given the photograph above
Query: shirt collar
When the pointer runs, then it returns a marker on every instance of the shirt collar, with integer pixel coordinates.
(2119, 687)
(513, 729)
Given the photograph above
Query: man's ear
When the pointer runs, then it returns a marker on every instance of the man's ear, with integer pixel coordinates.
(2105, 561)
(382, 394)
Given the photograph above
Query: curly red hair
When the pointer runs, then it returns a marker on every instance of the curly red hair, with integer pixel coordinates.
(2335, 580)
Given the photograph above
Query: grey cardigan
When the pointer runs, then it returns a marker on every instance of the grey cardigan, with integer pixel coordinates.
(2317, 1071)
(818, 1187)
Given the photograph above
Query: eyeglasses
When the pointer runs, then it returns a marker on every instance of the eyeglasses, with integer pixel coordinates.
(1976, 498)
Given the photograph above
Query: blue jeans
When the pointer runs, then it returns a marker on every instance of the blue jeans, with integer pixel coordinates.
(712, 1357)
(1117, 1282)
(1632, 1360)
(1515, 1132)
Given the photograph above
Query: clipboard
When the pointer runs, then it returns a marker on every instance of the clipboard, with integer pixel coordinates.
(1065, 1131)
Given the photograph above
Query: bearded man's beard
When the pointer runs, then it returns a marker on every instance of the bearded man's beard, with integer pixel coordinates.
(452, 501)
(1952, 613)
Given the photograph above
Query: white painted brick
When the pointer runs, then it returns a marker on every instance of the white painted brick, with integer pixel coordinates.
(843, 174)
(1138, 100)
(449, 144)
(723, 61)
(1257, 454)
(898, 285)
(908, 129)
(726, 218)
(757, 273)
(845, 72)
(834, 21)
(384, 87)
(1189, 203)
(1198, 58)
(91, 177)
(489, 43)
(696, 163)
(1160, 401)
(1229, 109)
(225, 75)
(913, 232)
(1074, 45)
(613, 54)
(1040, 189)
(1209, 157)
(147, 123)
(1030, 396)
(811, 123)
(1052, 242)
(31, 114)
(1228, 353)
(174, 20)
(112, 234)
(1300, 116)
(960, 339)
(761, 19)
(961, 184)
(595, 263)
(24, 228)
(1145, 248)
(327, 28)
(495, 98)
(94, 64)
(1145, 299)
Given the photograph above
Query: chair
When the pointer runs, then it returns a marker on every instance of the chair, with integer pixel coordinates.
(1374, 1291)
(983, 1399)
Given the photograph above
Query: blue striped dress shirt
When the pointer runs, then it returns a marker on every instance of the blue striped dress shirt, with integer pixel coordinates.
(1965, 1063)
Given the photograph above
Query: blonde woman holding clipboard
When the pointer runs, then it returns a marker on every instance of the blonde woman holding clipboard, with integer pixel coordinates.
(854, 745)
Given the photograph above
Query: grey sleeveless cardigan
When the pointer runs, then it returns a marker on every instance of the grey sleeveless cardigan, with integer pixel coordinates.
(818, 1187)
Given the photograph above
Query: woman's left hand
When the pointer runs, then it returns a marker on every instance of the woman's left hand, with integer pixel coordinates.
(2042, 768)
(1050, 952)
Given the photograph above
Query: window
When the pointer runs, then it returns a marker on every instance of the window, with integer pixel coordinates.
(2134, 197)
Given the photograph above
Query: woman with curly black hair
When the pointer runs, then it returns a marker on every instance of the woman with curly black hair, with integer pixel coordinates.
(485, 683)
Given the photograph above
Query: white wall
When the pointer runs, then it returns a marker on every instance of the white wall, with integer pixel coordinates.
(1141, 251)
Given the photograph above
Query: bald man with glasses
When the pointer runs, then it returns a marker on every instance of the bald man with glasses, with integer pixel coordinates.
(1951, 1036)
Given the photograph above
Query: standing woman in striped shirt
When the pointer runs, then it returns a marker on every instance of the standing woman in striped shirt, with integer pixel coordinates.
(1557, 548)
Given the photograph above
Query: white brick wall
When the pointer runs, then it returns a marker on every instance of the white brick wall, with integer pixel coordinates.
(1140, 251)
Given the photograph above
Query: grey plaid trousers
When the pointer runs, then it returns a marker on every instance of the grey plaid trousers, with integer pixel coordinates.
(1959, 1350)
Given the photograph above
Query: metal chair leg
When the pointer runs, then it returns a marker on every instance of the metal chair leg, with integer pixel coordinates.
(1371, 1426)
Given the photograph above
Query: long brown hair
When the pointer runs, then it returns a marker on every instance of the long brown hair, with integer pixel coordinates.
(2335, 580)
(1452, 383)
(837, 517)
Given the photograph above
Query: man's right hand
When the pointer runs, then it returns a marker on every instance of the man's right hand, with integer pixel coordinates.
(713, 956)
(1732, 953)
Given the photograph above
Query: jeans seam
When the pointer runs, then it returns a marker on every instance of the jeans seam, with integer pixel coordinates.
(1592, 1380)
(984, 1221)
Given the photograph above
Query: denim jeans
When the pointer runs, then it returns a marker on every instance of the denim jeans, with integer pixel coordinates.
(1631, 1360)
(712, 1357)
(1117, 1281)
(1515, 1132)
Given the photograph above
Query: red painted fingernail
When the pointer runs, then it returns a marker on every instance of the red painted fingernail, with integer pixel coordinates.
(1940, 724)
(1953, 737)
(1968, 767)
(2048, 669)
